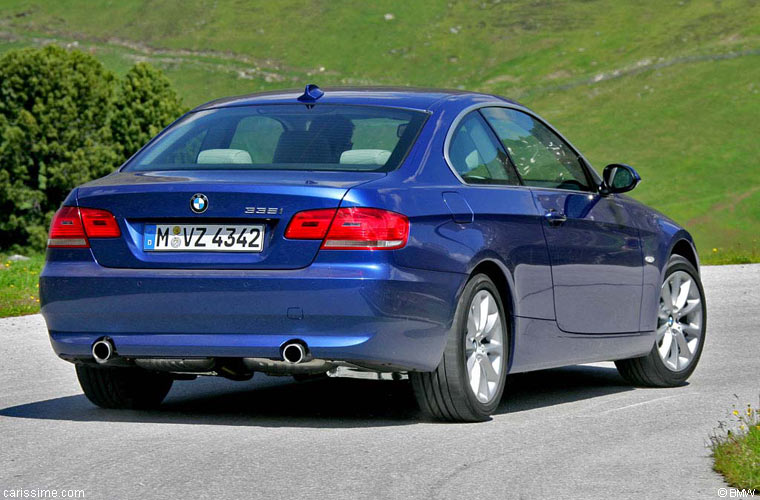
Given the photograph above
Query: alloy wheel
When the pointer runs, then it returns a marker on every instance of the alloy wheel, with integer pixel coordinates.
(679, 321)
(484, 348)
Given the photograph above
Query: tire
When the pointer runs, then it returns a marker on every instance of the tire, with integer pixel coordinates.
(446, 393)
(660, 370)
(123, 388)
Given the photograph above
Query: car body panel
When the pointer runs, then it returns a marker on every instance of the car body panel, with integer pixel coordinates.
(370, 312)
(540, 344)
(137, 198)
(596, 261)
(397, 97)
(509, 233)
(659, 235)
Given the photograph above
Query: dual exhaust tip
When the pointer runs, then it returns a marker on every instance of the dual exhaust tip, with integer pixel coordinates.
(293, 352)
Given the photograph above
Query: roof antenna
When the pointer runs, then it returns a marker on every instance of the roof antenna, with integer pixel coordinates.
(310, 95)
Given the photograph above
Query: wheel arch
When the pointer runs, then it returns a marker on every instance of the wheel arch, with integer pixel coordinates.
(685, 248)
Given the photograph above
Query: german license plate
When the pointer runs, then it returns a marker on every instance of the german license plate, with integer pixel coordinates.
(203, 238)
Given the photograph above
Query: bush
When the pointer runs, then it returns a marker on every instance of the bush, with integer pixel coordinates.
(64, 120)
(145, 103)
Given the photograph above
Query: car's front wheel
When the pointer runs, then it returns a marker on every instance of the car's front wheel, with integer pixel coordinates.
(123, 388)
(468, 383)
(680, 335)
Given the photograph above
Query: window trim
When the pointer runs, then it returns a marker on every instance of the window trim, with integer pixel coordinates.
(585, 164)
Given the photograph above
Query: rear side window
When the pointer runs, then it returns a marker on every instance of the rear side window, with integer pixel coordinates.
(285, 137)
(542, 159)
(476, 155)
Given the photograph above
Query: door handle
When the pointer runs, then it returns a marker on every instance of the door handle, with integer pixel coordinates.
(555, 218)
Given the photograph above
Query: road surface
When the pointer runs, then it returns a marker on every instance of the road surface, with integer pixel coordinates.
(578, 432)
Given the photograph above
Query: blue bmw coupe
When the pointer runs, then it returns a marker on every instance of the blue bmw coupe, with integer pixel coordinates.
(451, 237)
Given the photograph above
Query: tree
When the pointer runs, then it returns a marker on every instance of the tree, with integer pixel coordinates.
(54, 111)
(64, 120)
(145, 103)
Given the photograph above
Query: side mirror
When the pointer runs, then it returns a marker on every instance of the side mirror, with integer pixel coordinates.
(619, 178)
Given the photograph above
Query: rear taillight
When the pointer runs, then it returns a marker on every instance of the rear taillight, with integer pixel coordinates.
(67, 230)
(99, 223)
(310, 225)
(359, 228)
(72, 226)
(353, 228)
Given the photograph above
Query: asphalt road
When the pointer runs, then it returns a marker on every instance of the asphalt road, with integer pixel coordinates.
(578, 432)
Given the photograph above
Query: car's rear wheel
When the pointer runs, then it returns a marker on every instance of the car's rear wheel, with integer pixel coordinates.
(123, 388)
(468, 383)
(680, 334)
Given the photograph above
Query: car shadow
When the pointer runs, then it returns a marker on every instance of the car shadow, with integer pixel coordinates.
(324, 403)
(528, 391)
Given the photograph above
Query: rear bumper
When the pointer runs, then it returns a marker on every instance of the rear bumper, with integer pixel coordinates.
(376, 314)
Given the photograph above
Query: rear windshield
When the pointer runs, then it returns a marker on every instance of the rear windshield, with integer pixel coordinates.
(285, 137)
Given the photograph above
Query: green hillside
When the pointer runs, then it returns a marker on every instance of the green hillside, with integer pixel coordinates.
(671, 87)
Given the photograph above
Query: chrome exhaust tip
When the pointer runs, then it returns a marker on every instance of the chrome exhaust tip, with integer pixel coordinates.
(294, 352)
(103, 350)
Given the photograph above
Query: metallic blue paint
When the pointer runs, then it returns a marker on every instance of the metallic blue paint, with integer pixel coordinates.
(139, 197)
(596, 262)
(577, 292)
(364, 311)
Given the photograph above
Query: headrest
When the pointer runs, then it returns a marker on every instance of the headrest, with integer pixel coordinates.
(365, 157)
(472, 160)
(217, 156)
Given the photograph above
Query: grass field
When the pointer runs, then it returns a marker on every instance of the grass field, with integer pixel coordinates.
(18, 286)
(738, 460)
(671, 87)
(736, 450)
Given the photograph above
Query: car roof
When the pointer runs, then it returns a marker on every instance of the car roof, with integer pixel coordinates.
(398, 97)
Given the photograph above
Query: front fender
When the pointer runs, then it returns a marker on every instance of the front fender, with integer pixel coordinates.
(661, 237)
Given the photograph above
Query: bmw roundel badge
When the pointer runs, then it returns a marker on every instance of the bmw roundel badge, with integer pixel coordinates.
(198, 203)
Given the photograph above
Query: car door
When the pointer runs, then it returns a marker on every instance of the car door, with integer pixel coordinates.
(594, 246)
(502, 214)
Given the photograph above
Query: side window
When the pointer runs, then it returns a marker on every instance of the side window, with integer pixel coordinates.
(476, 155)
(259, 136)
(542, 159)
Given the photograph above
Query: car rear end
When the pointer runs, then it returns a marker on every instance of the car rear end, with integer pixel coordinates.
(226, 241)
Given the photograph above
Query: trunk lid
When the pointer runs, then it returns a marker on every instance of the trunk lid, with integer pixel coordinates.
(143, 199)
